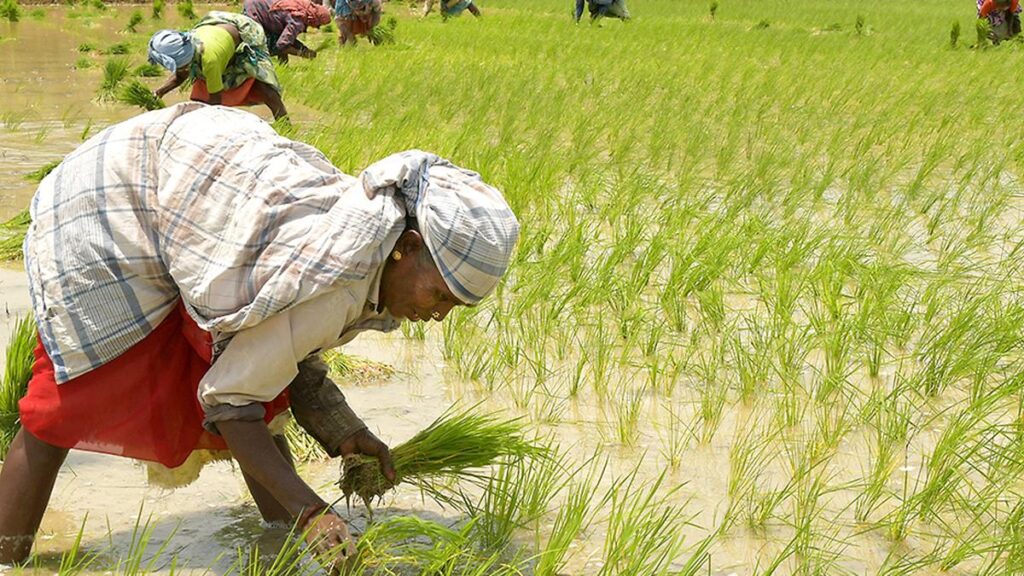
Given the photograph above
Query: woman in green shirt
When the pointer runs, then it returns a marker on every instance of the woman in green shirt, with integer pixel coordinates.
(226, 56)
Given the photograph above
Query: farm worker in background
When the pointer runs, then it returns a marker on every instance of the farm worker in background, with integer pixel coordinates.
(226, 56)
(452, 8)
(283, 21)
(1003, 18)
(603, 8)
(185, 264)
(355, 18)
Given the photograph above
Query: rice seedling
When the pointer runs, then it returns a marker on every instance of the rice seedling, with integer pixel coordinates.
(17, 371)
(133, 22)
(135, 93)
(10, 10)
(186, 10)
(86, 47)
(114, 71)
(148, 70)
(713, 9)
(384, 33)
(118, 49)
(158, 10)
(454, 447)
(84, 63)
(37, 14)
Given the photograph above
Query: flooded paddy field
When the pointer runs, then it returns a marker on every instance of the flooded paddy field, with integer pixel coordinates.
(765, 309)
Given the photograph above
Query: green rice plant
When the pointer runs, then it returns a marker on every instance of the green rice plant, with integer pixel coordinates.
(304, 448)
(288, 561)
(749, 457)
(713, 9)
(186, 10)
(575, 515)
(860, 26)
(136, 93)
(454, 447)
(10, 10)
(118, 49)
(84, 63)
(954, 34)
(17, 371)
(37, 14)
(115, 70)
(158, 10)
(627, 416)
(644, 535)
(983, 34)
(86, 47)
(148, 70)
(762, 24)
(383, 33)
(133, 22)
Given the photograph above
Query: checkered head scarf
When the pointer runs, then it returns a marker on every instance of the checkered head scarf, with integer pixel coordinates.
(468, 227)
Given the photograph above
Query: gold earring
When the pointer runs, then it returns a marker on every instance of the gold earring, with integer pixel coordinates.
(396, 255)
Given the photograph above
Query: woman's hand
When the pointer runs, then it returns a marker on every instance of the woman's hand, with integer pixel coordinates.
(366, 443)
(327, 534)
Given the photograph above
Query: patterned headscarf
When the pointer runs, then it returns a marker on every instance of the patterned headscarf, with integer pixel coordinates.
(171, 49)
(467, 225)
(314, 15)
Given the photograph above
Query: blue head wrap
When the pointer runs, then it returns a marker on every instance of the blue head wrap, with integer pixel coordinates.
(171, 49)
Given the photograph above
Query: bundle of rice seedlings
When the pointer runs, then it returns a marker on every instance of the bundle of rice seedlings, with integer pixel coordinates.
(158, 9)
(133, 21)
(186, 10)
(12, 236)
(119, 49)
(86, 47)
(115, 70)
(356, 370)
(983, 31)
(384, 33)
(954, 34)
(138, 94)
(453, 448)
(149, 70)
(10, 10)
(38, 174)
(17, 370)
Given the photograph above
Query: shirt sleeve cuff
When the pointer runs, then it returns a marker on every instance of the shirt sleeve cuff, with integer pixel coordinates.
(247, 412)
(320, 408)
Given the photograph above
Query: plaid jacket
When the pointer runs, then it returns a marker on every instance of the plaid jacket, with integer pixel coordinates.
(204, 203)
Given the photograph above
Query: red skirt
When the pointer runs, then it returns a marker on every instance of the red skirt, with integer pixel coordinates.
(244, 95)
(143, 404)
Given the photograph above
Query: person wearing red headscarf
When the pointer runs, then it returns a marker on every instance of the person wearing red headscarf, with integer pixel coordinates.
(284, 20)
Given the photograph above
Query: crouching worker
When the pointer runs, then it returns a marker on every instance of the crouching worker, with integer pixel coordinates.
(187, 265)
(1003, 18)
(226, 56)
(602, 9)
(356, 18)
(283, 21)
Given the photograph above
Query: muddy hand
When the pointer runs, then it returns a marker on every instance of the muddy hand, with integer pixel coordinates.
(365, 443)
(328, 536)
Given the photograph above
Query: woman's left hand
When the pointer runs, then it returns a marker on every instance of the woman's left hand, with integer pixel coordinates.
(366, 443)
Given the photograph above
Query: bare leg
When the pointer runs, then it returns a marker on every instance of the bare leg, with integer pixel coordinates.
(270, 509)
(26, 482)
(473, 10)
(273, 100)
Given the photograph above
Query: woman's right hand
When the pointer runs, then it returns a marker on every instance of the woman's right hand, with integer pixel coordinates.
(327, 535)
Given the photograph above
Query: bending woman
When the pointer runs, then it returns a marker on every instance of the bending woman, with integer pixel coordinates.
(187, 265)
(355, 18)
(283, 21)
(226, 56)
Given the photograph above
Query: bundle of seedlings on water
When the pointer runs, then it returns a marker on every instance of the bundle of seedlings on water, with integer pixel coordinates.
(158, 9)
(17, 370)
(136, 93)
(133, 22)
(119, 49)
(983, 31)
(453, 448)
(12, 236)
(10, 10)
(384, 33)
(115, 70)
(186, 10)
(954, 34)
(148, 70)
(37, 175)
